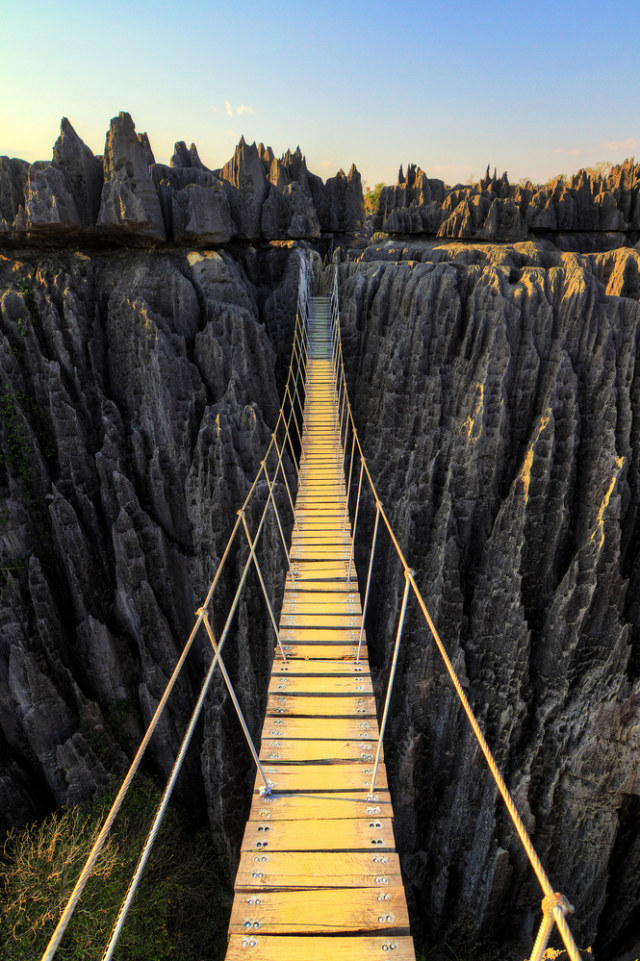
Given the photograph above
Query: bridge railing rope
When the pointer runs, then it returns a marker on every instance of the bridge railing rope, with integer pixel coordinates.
(555, 906)
(281, 441)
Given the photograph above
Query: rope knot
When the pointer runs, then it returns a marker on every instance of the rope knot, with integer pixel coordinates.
(556, 900)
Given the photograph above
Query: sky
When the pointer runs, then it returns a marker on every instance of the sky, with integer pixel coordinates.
(533, 88)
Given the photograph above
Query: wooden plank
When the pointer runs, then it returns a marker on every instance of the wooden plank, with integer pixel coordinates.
(259, 947)
(305, 869)
(304, 752)
(342, 605)
(322, 728)
(338, 536)
(315, 650)
(320, 619)
(305, 705)
(321, 634)
(335, 587)
(337, 834)
(309, 600)
(301, 667)
(323, 777)
(312, 552)
(299, 684)
(325, 910)
(321, 522)
(320, 542)
(327, 805)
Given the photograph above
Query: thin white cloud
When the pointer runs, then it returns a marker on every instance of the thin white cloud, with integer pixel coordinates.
(619, 145)
(242, 109)
(228, 108)
(572, 151)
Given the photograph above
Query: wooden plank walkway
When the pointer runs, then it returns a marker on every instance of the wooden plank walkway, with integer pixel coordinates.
(319, 879)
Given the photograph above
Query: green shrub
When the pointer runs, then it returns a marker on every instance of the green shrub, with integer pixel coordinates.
(371, 198)
(181, 909)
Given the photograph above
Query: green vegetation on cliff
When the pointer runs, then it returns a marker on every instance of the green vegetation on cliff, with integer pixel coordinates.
(181, 910)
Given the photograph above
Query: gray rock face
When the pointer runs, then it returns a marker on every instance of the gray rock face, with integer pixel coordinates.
(13, 184)
(194, 205)
(129, 204)
(50, 205)
(245, 175)
(289, 209)
(125, 196)
(493, 209)
(186, 158)
(496, 393)
(136, 398)
(83, 172)
(342, 209)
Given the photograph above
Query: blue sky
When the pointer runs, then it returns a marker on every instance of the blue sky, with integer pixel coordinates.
(533, 88)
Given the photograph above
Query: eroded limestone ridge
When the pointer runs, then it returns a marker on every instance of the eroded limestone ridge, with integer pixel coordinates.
(137, 394)
(497, 393)
(495, 210)
(126, 196)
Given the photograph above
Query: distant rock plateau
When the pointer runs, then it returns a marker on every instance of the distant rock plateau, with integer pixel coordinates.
(495, 210)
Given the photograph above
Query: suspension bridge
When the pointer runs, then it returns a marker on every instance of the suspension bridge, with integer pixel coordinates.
(319, 876)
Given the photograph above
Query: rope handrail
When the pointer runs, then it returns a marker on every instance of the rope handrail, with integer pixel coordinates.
(290, 397)
(554, 904)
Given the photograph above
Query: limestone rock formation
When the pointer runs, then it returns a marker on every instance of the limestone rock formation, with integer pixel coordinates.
(496, 394)
(342, 207)
(194, 205)
(50, 205)
(83, 172)
(136, 398)
(413, 206)
(289, 208)
(248, 189)
(493, 209)
(13, 186)
(126, 195)
(129, 204)
(186, 158)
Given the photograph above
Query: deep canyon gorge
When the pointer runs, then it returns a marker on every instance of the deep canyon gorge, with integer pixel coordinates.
(491, 337)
